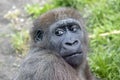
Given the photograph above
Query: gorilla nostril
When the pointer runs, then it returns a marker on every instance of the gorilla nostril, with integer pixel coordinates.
(75, 42)
(67, 43)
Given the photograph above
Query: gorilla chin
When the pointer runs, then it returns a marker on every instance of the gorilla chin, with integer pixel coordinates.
(74, 59)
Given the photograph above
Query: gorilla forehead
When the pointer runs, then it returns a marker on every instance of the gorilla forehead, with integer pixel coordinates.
(65, 22)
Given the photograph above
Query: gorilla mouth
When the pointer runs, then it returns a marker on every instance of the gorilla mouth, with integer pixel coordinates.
(73, 54)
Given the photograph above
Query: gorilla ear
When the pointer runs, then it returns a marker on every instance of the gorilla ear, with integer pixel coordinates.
(38, 35)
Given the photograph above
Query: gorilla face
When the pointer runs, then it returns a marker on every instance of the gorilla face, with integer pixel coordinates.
(66, 37)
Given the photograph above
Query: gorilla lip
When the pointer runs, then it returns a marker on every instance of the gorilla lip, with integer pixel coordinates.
(72, 54)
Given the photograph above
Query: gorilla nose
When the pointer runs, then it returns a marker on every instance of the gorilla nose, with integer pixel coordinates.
(71, 43)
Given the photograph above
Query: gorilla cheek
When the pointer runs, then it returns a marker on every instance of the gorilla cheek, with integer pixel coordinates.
(74, 60)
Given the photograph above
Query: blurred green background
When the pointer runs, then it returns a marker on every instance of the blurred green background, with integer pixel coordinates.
(102, 19)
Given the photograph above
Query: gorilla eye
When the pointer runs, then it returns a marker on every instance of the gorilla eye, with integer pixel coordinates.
(74, 28)
(59, 32)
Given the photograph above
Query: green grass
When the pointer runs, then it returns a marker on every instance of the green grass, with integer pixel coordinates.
(35, 10)
(104, 57)
(20, 41)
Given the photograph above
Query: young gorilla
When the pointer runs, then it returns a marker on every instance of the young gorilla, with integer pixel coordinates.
(59, 48)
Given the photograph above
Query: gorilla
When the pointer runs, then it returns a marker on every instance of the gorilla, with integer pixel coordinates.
(59, 47)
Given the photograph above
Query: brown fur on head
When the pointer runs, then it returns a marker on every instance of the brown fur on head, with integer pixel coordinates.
(55, 15)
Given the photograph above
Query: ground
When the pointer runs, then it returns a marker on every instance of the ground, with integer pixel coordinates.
(9, 61)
